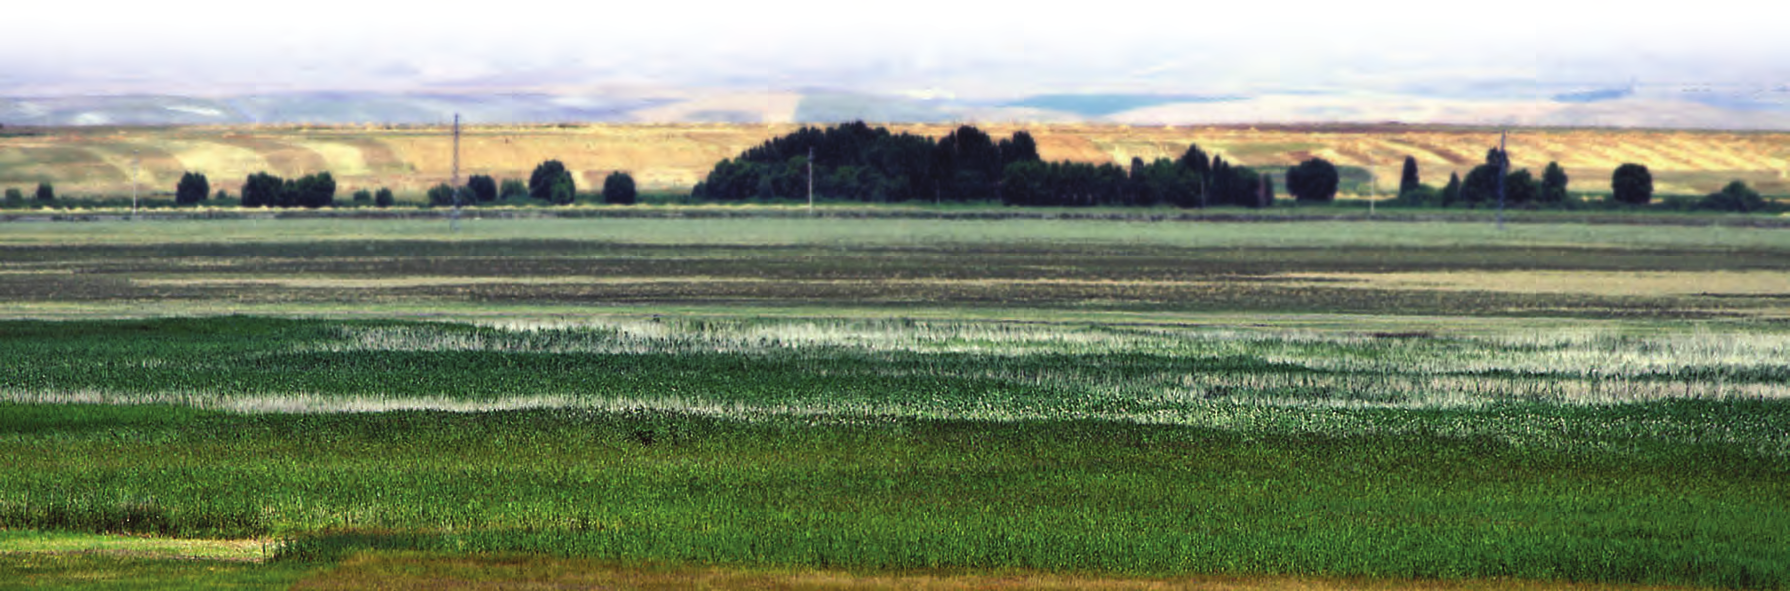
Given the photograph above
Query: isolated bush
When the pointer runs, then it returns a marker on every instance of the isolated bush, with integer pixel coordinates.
(546, 180)
(1553, 184)
(483, 188)
(1313, 180)
(384, 198)
(363, 197)
(1451, 192)
(45, 192)
(512, 188)
(1734, 197)
(221, 198)
(1632, 184)
(14, 197)
(618, 188)
(441, 195)
(192, 188)
(1420, 196)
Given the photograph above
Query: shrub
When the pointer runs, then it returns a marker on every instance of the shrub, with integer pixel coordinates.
(441, 195)
(363, 197)
(619, 189)
(45, 192)
(1632, 184)
(1313, 180)
(545, 182)
(384, 198)
(1734, 197)
(192, 188)
(14, 197)
(482, 187)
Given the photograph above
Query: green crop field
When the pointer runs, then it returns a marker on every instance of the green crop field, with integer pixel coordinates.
(878, 403)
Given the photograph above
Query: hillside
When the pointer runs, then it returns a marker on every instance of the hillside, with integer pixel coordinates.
(99, 160)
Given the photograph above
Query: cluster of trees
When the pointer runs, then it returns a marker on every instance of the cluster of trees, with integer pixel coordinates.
(266, 190)
(46, 193)
(1480, 188)
(856, 162)
(1630, 185)
(1193, 180)
(550, 182)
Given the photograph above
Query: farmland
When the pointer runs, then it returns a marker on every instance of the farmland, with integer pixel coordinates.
(792, 402)
(99, 161)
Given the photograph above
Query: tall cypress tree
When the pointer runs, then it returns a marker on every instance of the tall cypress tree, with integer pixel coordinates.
(1408, 180)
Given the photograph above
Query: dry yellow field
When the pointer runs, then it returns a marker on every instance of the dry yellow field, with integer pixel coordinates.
(675, 156)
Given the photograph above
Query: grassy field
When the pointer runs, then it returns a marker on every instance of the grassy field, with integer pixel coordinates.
(795, 403)
(84, 161)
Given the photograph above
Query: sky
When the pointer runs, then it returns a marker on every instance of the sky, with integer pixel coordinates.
(959, 48)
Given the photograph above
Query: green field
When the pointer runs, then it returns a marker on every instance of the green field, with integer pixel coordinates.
(790, 403)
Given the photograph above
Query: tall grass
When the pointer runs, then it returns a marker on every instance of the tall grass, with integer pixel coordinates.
(1577, 455)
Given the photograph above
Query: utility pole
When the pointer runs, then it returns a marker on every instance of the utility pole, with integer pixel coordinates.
(811, 180)
(136, 168)
(1503, 170)
(454, 221)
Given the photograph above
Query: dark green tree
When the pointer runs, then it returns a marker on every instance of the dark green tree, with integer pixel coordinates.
(1267, 190)
(263, 190)
(46, 192)
(1021, 148)
(314, 191)
(1313, 180)
(1553, 184)
(512, 188)
(563, 192)
(384, 198)
(1451, 193)
(14, 197)
(221, 198)
(1734, 197)
(1520, 189)
(1198, 162)
(441, 195)
(192, 188)
(546, 180)
(618, 188)
(482, 187)
(1408, 179)
(1632, 184)
(363, 197)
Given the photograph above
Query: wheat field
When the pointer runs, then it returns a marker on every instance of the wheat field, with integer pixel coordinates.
(675, 156)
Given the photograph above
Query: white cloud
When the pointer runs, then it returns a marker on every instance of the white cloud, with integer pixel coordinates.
(954, 45)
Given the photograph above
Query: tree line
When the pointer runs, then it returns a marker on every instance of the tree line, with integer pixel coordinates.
(1631, 185)
(856, 162)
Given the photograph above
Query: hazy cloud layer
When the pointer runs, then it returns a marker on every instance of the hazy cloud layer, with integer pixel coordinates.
(930, 48)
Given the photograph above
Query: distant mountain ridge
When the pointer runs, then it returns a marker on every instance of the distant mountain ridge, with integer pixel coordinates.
(1597, 107)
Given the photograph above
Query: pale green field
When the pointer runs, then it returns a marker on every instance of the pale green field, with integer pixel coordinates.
(904, 232)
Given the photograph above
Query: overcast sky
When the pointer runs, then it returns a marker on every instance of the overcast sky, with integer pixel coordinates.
(962, 47)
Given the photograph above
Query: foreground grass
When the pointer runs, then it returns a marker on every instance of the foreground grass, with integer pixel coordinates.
(884, 447)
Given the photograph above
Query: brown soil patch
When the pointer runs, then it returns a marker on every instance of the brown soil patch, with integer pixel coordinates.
(528, 572)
